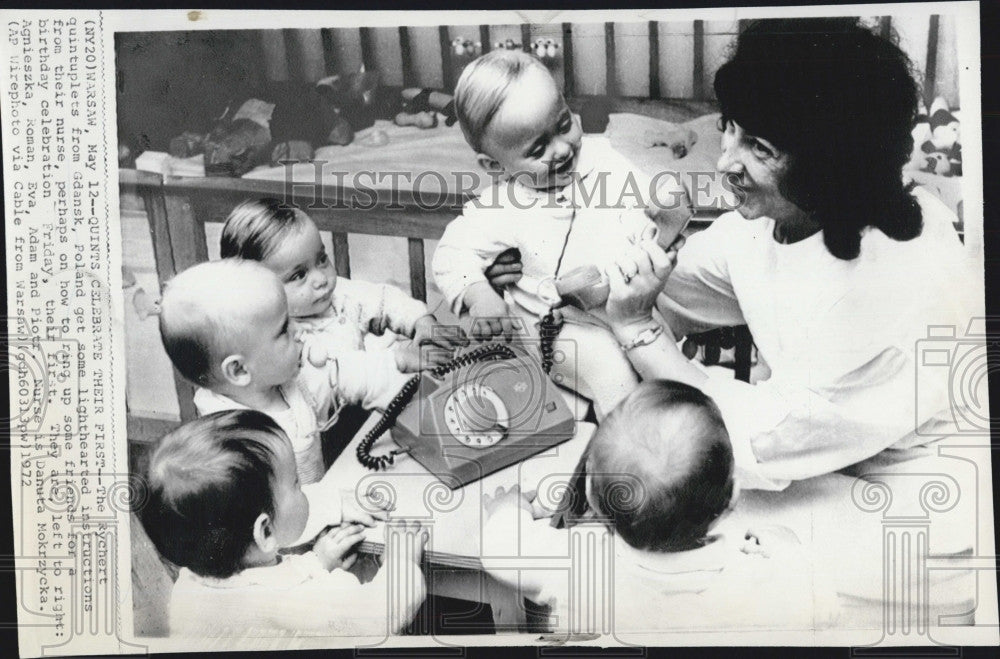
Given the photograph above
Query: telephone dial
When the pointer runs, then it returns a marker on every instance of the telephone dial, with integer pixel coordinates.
(491, 407)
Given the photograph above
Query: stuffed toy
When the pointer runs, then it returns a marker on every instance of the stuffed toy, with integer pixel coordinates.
(545, 49)
(937, 140)
(462, 47)
(240, 141)
(679, 140)
(428, 102)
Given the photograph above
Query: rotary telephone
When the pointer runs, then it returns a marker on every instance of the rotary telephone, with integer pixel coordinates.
(491, 407)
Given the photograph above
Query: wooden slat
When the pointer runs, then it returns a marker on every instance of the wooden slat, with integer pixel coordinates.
(885, 26)
(484, 38)
(406, 57)
(654, 59)
(341, 254)
(329, 51)
(447, 59)
(698, 70)
(569, 87)
(418, 281)
(930, 74)
(610, 61)
(147, 430)
(743, 351)
(166, 268)
(526, 37)
(368, 49)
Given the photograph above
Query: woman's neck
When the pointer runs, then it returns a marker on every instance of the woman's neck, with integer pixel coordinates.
(794, 228)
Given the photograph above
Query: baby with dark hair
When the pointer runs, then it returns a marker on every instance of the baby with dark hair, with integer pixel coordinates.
(657, 478)
(224, 501)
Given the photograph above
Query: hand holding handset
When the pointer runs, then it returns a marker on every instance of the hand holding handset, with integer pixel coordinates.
(587, 287)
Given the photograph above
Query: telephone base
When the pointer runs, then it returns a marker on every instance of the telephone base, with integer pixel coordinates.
(466, 427)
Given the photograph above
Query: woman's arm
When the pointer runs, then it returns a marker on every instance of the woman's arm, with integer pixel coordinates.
(780, 430)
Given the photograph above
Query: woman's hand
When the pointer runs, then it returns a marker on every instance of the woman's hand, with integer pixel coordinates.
(506, 269)
(637, 280)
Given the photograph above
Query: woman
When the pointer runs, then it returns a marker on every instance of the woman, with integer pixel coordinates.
(835, 265)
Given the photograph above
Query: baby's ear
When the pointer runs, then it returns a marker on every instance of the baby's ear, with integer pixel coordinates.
(234, 371)
(489, 163)
(263, 534)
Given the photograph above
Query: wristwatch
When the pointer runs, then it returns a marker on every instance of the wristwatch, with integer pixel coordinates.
(643, 338)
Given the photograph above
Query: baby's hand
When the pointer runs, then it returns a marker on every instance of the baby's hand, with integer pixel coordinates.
(490, 317)
(508, 497)
(352, 510)
(429, 332)
(405, 541)
(336, 547)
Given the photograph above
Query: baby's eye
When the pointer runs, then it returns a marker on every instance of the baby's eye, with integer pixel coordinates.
(322, 259)
(297, 275)
(537, 152)
(566, 124)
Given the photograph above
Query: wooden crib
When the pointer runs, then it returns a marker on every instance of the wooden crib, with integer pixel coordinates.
(678, 61)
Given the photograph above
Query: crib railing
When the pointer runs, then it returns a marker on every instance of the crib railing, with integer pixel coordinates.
(663, 48)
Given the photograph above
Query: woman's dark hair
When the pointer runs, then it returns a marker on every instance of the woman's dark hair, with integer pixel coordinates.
(209, 480)
(255, 228)
(840, 101)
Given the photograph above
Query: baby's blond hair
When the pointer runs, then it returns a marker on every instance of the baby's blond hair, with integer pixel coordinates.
(202, 310)
(482, 89)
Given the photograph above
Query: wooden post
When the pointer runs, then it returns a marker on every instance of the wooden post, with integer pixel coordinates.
(610, 63)
(930, 76)
(698, 70)
(654, 60)
(418, 279)
(447, 63)
(406, 57)
(570, 85)
(341, 254)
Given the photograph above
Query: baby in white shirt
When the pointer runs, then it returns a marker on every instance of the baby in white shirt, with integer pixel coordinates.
(332, 315)
(563, 200)
(226, 327)
(654, 489)
(225, 501)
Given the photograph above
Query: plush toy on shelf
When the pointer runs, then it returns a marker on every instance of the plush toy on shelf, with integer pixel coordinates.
(546, 50)
(937, 140)
(509, 44)
(462, 47)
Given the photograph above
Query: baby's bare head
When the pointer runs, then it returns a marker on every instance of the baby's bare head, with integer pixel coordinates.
(209, 311)
(485, 85)
(660, 467)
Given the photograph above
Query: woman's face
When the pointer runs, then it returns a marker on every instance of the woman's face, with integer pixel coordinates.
(759, 168)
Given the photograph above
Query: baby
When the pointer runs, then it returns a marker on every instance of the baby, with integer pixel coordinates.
(332, 315)
(658, 474)
(226, 327)
(224, 500)
(564, 200)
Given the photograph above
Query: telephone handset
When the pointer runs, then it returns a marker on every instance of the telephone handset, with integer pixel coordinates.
(491, 407)
(586, 287)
